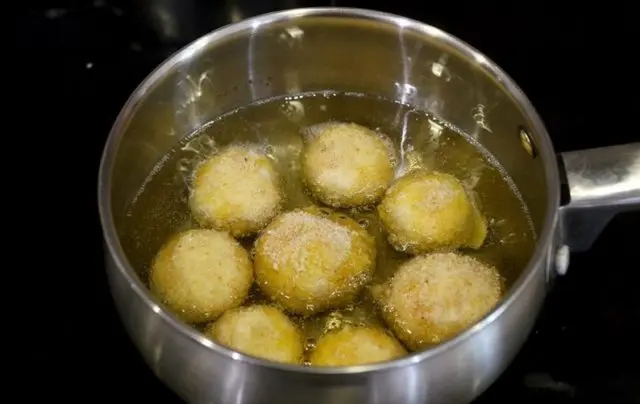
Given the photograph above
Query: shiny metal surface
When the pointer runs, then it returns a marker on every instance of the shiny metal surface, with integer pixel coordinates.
(602, 182)
(344, 50)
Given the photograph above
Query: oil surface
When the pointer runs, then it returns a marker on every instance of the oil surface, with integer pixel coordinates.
(279, 125)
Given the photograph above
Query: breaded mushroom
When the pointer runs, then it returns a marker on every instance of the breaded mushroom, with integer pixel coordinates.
(356, 345)
(259, 330)
(434, 297)
(312, 259)
(425, 211)
(346, 165)
(237, 190)
(201, 273)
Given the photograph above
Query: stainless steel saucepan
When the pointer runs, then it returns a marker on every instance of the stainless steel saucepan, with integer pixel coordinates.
(381, 54)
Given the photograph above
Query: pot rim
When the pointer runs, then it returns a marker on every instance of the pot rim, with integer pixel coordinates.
(536, 263)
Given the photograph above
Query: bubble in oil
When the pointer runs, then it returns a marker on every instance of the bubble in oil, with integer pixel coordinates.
(411, 161)
(435, 130)
(364, 223)
(310, 132)
(363, 209)
(310, 344)
(270, 151)
(333, 322)
(473, 177)
(186, 166)
(508, 238)
(324, 211)
(293, 110)
(203, 145)
(282, 153)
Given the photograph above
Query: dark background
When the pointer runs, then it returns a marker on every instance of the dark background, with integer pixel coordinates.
(79, 61)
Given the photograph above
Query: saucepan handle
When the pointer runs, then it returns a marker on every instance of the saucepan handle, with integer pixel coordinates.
(601, 183)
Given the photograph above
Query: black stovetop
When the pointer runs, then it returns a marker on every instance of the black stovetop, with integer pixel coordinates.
(84, 59)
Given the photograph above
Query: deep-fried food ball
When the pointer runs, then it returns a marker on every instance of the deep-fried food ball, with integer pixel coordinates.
(352, 345)
(434, 297)
(425, 211)
(312, 259)
(261, 331)
(201, 273)
(237, 190)
(346, 164)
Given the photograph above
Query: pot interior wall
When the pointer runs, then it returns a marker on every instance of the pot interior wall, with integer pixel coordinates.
(314, 53)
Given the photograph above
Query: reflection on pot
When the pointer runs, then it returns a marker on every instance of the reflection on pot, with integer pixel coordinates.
(181, 21)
